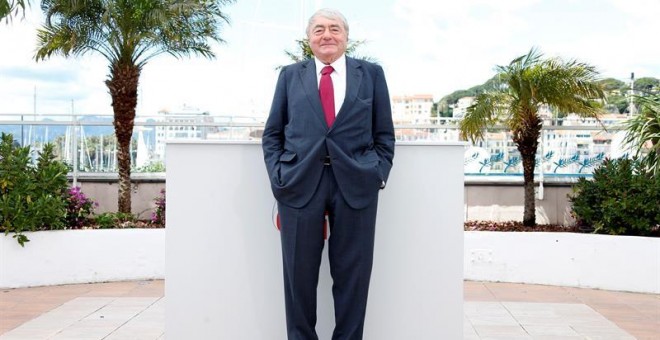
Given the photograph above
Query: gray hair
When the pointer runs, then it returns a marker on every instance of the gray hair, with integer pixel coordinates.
(328, 13)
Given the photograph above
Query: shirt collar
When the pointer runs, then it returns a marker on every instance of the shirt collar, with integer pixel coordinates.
(339, 65)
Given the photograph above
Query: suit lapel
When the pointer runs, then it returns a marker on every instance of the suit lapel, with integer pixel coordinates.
(310, 86)
(353, 81)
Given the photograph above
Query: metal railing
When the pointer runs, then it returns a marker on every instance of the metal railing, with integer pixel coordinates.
(88, 145)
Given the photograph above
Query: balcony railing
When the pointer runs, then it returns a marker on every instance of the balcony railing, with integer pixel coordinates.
(87, 143)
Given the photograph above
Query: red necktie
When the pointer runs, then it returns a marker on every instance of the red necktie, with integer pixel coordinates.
(327, 93)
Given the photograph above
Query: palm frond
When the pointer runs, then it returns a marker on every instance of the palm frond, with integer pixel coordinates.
(486, 110)
(131, 31)
(643, 132)
(11, 8)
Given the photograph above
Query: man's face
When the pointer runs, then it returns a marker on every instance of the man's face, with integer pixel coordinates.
(327, 39)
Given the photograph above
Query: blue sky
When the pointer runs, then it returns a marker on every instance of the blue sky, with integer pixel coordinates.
(425, 46)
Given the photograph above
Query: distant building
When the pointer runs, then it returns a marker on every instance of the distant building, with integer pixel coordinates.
(608, 119)
(414, 109)
(460, 108)
(590, 143)
(187, 123)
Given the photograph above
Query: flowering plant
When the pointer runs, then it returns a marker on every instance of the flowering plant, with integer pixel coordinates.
(79, 208)
(158, 216)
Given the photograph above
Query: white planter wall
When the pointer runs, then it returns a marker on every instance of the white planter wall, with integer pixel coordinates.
(623, 263)
(82, 256)
(579, 260)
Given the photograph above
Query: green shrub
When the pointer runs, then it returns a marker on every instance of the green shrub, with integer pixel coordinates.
(622, 199)
(156, 166)
(105, 220)
(109, 220)
(31, 196)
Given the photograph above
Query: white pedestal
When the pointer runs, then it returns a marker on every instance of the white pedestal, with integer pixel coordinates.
(223, 262)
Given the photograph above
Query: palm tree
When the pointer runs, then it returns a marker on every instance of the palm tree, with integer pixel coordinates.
(128, 33)
(528, 82)
(643, 132)
(9, 8)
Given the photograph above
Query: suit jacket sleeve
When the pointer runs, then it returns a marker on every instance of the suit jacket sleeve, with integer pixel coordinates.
(273, 137)
(383, 127)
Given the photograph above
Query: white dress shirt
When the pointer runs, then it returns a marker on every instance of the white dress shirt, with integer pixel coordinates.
(338, 77)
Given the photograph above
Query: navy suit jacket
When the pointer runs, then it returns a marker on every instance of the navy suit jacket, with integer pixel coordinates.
(360, 143)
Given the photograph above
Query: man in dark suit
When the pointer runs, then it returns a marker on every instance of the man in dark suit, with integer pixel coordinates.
(328, 146)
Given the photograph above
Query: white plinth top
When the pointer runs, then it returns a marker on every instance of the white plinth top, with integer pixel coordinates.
(227, 142)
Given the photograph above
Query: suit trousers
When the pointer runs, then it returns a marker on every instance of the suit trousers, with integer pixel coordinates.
(350, 252)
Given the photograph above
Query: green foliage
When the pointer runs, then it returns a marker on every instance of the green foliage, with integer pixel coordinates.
(445, 103)
(611, 84)
(157, 166)
(31, 196)
(622, 199)
(10, 8)
(303, 51)
(130, 31)
(643, 133)
(110, 220)
(517, 91)
(647, 85)
(618, 92)
(617, 103)
(105, 220)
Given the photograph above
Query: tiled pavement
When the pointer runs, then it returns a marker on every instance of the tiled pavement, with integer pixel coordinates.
(135, 310)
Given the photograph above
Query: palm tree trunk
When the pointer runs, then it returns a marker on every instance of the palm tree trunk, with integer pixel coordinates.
(123, 85)
(527, 140)
(529, 214)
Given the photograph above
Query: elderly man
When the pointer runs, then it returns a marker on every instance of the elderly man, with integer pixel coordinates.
(328, 147)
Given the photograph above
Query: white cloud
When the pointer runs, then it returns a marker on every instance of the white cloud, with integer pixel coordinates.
(425, 46)
(456, 44)
(225, 85)
(638, 42)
